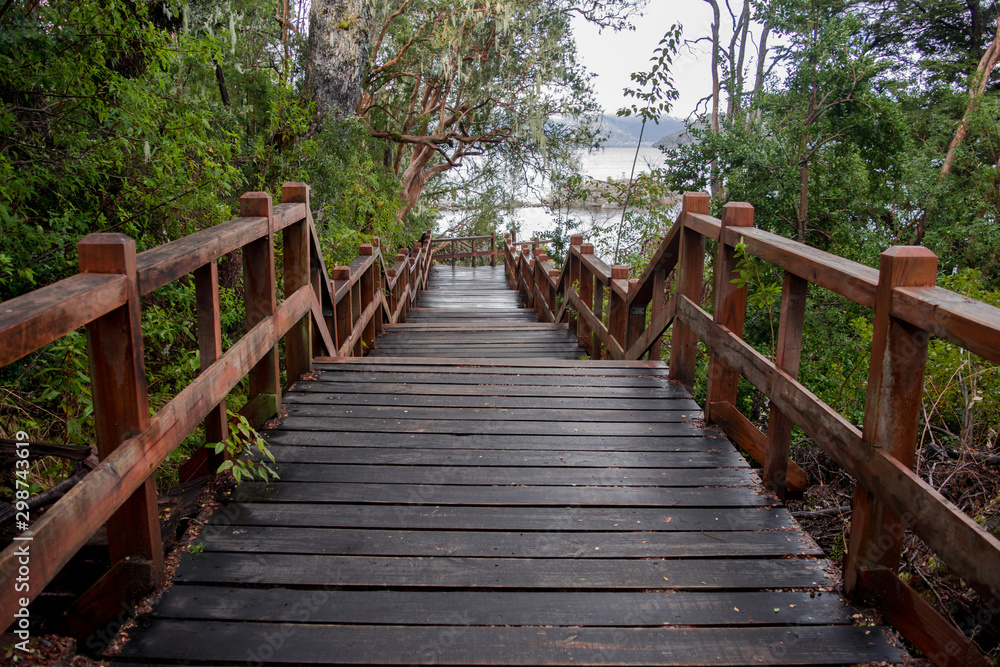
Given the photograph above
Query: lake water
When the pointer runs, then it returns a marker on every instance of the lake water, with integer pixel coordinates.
(613, 163)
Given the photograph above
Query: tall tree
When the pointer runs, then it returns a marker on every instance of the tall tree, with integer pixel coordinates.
(463, 78)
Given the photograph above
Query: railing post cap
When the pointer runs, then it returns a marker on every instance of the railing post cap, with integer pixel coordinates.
(401, 257)
(696, 202)
(366, 249)
(920, 266)
(619, 272)
(632, 282)
(587, 249)
(542, 257)
(106, 252)
(294, 192)
(255, 205)
(341, 273)
(553, 272)
(737, 214)
(391, 273)
(576, 239)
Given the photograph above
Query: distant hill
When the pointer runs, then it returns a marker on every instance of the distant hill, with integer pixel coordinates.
(624, 132)
(679, 138)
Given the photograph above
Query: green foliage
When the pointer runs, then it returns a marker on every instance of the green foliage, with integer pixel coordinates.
(242, 439)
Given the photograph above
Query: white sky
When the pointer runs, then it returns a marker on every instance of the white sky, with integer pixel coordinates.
(614, 56)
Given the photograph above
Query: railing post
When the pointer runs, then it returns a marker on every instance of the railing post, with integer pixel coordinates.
(261, 302)
(690, 283)
(295, 249)
(493, 249)
(584, 334)
(892, 409)
(474, 258)
(341, 276)
(379, 285)
(206, 290)
(730, 306)
(595, 353)
(453, 253)
(356, 309)
(121, 403)
(402, 284)
(574, 274)
(659, 290)
(366, 289)
(617, 315)
(787, 354)
(636, 319)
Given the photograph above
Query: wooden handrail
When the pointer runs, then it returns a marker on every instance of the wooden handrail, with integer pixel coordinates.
(891, 498)
(319, 316)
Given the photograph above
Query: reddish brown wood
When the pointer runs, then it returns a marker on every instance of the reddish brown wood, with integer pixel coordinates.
(703, 223)
(341, 277)
(664, 260)
(166, 263)
(121, 405)
(599, 317)
(68, 524)
(379, 287)
(617, 309)
(295, 257)
(855, 281)
(971, 324)
(636, 317)
(34, 320)
(260, 292)
(742, 431)
(323, 335)
(649, 338)
(125, 583)
(684, 346)
(918, 621)
(367, 291)
(357, 307)
(584, 333)
(730, 307)
(972, 552)
(659, 292)
(206, 288)
(493, 249)
(788, 351)
(892, 409)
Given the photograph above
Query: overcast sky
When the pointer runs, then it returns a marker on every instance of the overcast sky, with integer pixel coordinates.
(614, 56)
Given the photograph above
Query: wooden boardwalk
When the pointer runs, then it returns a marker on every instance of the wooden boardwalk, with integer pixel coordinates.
(474, 493)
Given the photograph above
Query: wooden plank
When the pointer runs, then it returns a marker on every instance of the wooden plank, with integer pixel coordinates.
(458, 608)
(322, 473)
(398, 456)
(517, 573)
(487, 427)
(166, 263)
(753, 442)
(62, 530)
(452, 494)
(569, 414)
(854, 281)
(701, 222)
(576, 441)
(260, 293)
(448, 389)
(961, 542)
(492, 544)
(640, 381)
(314, 643)
(585, 519)
(919, 622)
(970, 324)
(33, 320)
(505, 401)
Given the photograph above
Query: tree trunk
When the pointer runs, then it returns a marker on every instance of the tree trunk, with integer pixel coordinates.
(976, 89)
(716, 188)
(340, 37)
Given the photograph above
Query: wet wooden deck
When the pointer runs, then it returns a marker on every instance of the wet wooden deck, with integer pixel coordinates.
(474, 493)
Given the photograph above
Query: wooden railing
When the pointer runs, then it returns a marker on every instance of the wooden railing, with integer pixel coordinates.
(317, 317)
(908, 309)
(466, 247)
